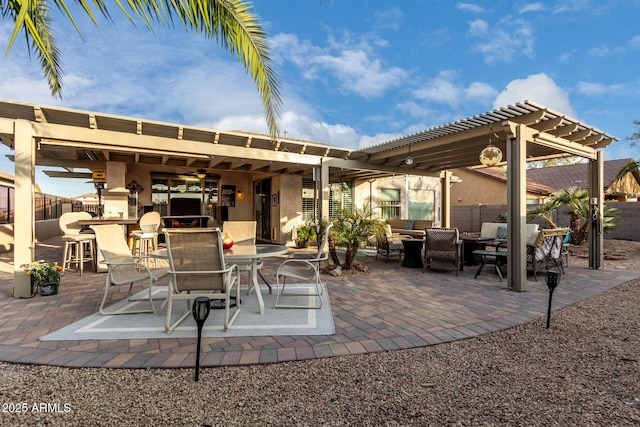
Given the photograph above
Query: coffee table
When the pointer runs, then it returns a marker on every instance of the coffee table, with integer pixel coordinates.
(498, 258)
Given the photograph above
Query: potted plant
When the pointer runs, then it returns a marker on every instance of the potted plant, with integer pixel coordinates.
(303, 234)
(45, 275)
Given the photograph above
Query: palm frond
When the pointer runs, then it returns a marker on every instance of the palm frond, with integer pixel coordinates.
(630, 167)
(231, 23)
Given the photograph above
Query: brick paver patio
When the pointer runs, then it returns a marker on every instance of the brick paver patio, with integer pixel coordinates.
(389, 309)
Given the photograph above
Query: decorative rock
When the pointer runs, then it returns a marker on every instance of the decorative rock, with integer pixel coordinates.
(337, 271)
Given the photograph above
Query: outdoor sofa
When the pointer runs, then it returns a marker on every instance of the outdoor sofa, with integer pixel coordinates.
(411, 227)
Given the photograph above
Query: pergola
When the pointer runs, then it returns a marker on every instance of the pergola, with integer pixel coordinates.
(73, 139)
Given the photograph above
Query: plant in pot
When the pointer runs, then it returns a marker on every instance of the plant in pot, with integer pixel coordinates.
(303, 234)
(45, 275)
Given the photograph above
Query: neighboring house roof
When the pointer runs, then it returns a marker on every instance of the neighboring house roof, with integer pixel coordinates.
(498, 173)
(577, 175)
(87, 196)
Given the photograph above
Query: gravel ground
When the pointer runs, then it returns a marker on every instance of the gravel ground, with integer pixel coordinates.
(583, 371)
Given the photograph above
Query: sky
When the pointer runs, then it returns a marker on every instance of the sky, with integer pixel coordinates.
(353, 73)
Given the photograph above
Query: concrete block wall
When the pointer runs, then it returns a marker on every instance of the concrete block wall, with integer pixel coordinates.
(470, 218)
(44, 230)
(628, 221)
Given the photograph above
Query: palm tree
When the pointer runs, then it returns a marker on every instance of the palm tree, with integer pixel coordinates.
(633, 165)
(350, 229)
(231, 22)
(579, 209)
(544, 212)
(630, 167)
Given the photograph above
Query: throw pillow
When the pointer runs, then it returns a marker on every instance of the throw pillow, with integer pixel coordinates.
(408, 225)
(501, 234)
(531, 240)
(387, 231)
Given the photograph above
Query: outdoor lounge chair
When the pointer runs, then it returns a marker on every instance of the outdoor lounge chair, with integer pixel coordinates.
(389, 244)
(442, 244)
(305, 269)
(197, 269)
(122, 268)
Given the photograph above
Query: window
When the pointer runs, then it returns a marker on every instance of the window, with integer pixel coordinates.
(183, 195)
(421, 204)
(390, 203)
(340, 197)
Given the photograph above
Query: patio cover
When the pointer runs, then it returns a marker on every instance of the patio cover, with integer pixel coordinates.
(72, 139)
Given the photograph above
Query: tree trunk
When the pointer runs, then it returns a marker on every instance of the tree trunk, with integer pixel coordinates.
(578, 233)
(331, 241)
(348, 258)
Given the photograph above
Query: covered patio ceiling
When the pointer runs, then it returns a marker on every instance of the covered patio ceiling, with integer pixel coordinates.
(75, 139)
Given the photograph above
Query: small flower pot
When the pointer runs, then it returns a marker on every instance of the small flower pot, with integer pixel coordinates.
(49, 289)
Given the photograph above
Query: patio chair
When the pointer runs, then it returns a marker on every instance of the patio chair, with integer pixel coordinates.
(442, 244)
(243, 233)
(304, 268)
(546, 251)
(122, 268)
(389, 244)
(78, 246)
(197, 268)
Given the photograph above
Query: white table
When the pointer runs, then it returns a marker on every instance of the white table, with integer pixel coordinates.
(241, 252)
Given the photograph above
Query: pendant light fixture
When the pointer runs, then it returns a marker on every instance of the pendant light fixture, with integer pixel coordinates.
(490, 155)
(409, 160)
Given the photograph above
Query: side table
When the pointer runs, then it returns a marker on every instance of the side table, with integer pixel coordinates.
(412, 253)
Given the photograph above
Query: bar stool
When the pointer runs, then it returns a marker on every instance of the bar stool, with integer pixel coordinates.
(78, 247)
(145, 239)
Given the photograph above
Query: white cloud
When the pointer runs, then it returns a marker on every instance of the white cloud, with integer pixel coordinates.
(368, 141)
(591, 88)
(388, 19)
(446, 90)
(470, 7)
(599, 51)
(478, 28)
(635, 42)
(503, 42)
(352, 61)
(532, 7)
(539, 88)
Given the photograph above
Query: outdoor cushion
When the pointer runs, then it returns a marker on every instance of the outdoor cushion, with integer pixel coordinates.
(533, 238)
(502, 232)
(421, 224)
(489, 230)
(408, 225)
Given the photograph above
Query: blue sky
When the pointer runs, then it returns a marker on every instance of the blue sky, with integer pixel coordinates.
(355, 73)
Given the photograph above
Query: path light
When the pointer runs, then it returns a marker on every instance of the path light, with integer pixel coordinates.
(553, 279)
(200, 311)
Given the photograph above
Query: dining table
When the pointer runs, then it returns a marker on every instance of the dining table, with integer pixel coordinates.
(254, 253)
